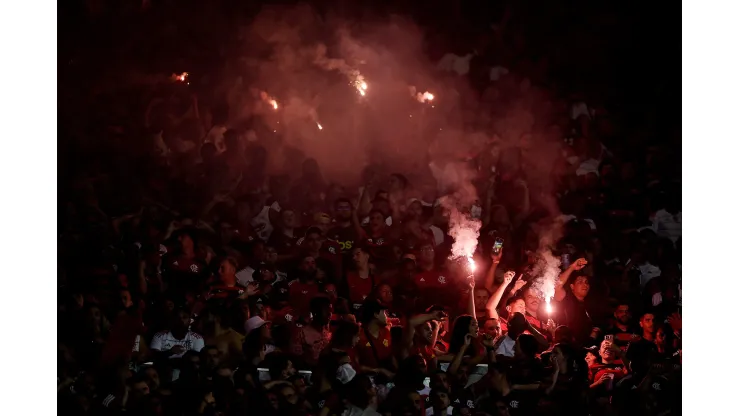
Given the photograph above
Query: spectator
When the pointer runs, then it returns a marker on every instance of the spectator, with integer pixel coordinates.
(374, 349)
(307, 341)
(179, 339)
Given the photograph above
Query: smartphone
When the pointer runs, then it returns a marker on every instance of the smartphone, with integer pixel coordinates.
(498, 245)
(609, 338)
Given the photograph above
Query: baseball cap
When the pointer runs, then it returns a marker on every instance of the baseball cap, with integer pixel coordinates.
(253, 323)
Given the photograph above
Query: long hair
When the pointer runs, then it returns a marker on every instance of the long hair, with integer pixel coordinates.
(460, 328)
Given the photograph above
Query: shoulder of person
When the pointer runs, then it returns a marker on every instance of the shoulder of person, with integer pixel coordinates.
(161, 334)
(194, 335)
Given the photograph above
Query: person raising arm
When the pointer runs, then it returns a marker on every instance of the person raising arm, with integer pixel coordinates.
(495, 299)
(564, 276)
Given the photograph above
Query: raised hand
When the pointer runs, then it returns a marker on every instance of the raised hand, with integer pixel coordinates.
(509, 276)
(519, 283)
(579, 264)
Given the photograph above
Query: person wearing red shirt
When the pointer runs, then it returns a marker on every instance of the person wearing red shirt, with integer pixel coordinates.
(303, 289)
(421, 336)
(434, 285)
(360, 282)
(374, 350)
(605, 375)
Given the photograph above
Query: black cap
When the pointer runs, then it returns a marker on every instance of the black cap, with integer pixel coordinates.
(369, 309)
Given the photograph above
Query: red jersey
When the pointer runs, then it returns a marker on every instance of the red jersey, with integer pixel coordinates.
(300, 294)
(534, 321)
(426, 351)
(617, 368)
(185, 265)
(359, 289)
(372, 350)
(436, 288)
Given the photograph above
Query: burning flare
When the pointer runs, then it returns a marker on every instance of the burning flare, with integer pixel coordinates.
(425, 97)
(181, 77)
(270, 100)
(319, 126)
(471, 263)
(360, 84)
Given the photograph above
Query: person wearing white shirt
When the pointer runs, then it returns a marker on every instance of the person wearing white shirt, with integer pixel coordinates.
(177, 341)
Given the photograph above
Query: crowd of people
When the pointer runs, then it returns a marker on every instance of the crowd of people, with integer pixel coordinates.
(194, 281)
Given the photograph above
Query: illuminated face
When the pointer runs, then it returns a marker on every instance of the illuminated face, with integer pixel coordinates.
(580, 287)
(492, 328)
(473, 329)
(591, 359)
(532, 301)
(425, 332)
(481, 298)
(605, 351)
(517, 306)
(385, 294)
(646, 323)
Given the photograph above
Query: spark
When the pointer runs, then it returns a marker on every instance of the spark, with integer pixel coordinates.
(360, 84)
(424, 97)
(319, 126)
(269, 99)
(181, 78)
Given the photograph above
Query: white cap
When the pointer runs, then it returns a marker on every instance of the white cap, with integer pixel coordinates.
(253, 323)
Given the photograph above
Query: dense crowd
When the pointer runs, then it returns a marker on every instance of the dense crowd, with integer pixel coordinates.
(194, 281)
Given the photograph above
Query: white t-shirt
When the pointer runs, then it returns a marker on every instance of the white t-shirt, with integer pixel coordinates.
(506, 348)
(164, 340)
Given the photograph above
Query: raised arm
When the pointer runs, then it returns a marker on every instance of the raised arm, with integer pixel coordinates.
(491, 272)
(564, 276)
(495, 299)
(415, 321)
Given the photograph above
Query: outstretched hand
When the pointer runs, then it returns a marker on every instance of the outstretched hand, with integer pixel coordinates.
(579, 264)
(519, 283)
